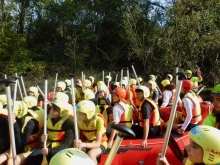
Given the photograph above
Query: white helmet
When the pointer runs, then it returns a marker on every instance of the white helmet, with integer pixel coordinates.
(170, 76)
(133, 81)
(144, 89)
(92, 78)
(68, 82)
(88, 83)
(124, 82)
(3, 99)
(34, 90)
(103, 88)
(61, 85)
(61, 96)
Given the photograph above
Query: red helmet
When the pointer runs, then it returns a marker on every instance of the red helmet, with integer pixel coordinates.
(121, 92)
(187, 85)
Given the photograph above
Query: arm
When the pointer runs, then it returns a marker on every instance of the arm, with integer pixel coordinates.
(155, 96)
(146, 131)
(188, 106)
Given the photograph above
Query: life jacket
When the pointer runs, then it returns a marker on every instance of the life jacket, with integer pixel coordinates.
(155, 115)
(132, 94)
(126, 117)
(103, 104)
(89, 132)
(196, 111)
(37, 116)
(55, 133)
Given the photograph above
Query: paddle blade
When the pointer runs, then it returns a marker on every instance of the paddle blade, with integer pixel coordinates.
(44, 162)
(175, 148)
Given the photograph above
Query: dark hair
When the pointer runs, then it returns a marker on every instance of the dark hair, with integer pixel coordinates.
(56, 108)
(169, 87)
(217, 115)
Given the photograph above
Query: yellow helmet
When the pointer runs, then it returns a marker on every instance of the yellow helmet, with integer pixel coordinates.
(61, 85)
(61, 96)
(87, 107)
(207, 137)
(153, 83)
(20, 109)
(91, 78)
(133, 81)
(144, 89)
(100, 83)
(68, 82)
(124, 82)
(31, 101)
(88, 83)
(34, 90)
(65, 108)
(108, 77)
(71, 156)
(152, 77)
(102, 87)
(88, 94)
(3, 99)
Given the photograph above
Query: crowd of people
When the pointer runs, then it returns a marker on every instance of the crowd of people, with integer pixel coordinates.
(131, 102)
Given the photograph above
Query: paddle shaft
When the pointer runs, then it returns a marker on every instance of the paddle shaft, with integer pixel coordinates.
(74, 110)
(113, 151)
(135, 74)
(121, 76)
(22, 82)
(55, 83)
(103, 75)
(19, 88)
(173, 111)
(45, 110)
(108, 79)
(129, 96)
(11, 125)
(42, 94)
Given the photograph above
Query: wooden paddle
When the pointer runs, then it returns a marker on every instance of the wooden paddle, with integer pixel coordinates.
(44, 162)
(135, 74)
(181, 76)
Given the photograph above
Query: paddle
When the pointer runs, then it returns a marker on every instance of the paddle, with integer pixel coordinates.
(121, 76)
(176, 71)
(123, 131)
(55, 83)
(42, 94)
(22, 82)
(135, 74)
(181, 76)
(44, 162)
(129, 96)
(7, 83)
(103, 75)
(19, 87)
(74, 108)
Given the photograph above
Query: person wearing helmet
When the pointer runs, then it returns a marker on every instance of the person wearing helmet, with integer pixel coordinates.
(195, 80)
(154, 94)
(132, 93)
(122, 112)
(124, 84)
(28, 121)
(202, 149)
(149, 117)
(92, 129)
(166, 81)
(60, 133)
(78, 91)
(213, 119)
(191, 110)
(68, 86)
(33, 91)
(152, 77)
(93, 86)
(60, 87)
(104, 105)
